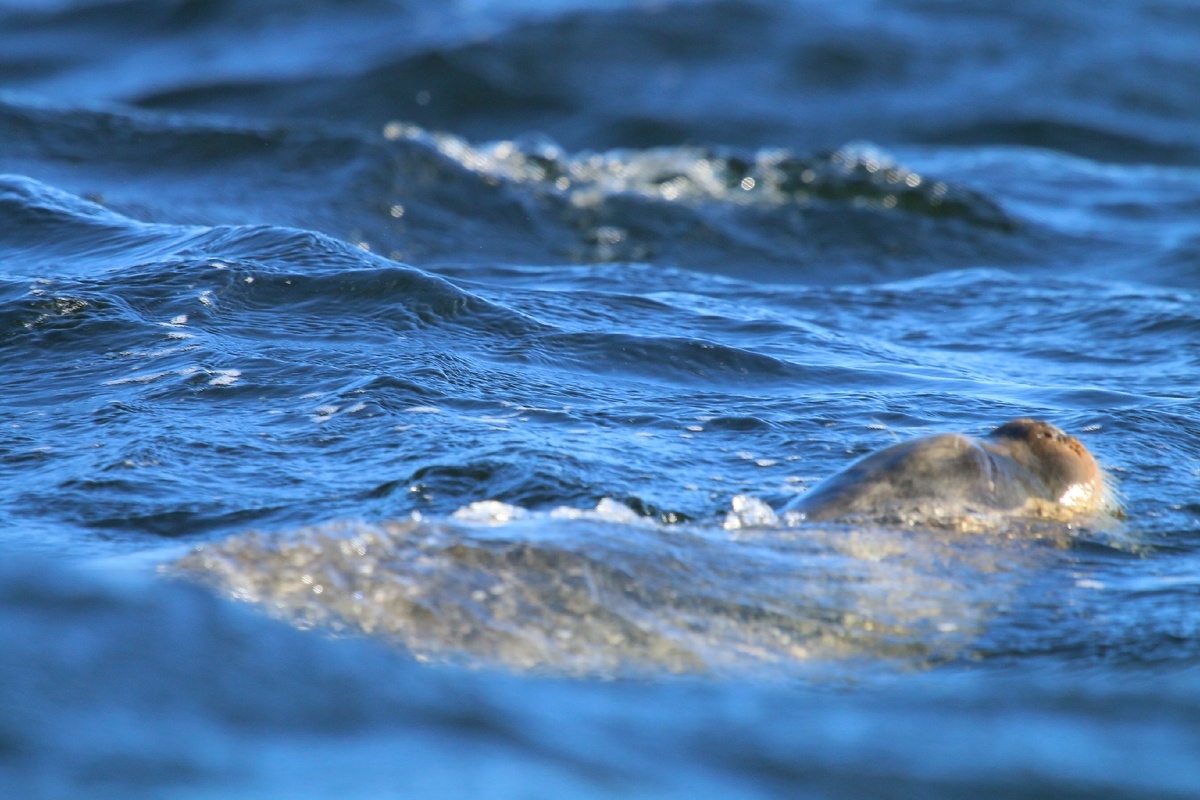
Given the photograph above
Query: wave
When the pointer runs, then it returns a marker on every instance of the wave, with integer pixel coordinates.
(608, 593)
(157, 688)
(424, 198)
(533, 386)
(734, 72)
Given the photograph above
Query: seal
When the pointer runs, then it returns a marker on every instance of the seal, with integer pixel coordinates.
(1024, 466)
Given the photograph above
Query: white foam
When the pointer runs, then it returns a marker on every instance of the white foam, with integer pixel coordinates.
(749, 512)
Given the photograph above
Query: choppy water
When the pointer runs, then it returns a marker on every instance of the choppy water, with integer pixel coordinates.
(478, 341)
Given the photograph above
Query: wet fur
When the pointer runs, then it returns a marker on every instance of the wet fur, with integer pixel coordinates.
(1022, 462)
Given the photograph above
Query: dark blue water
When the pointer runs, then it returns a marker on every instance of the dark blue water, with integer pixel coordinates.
(478, 341)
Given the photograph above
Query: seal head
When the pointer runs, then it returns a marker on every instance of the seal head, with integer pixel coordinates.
(1067, 472)
(1022, 465)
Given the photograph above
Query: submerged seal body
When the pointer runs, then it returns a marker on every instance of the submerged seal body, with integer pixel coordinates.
(1021, 464)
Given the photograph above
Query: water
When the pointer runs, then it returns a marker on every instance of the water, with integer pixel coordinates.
(478, 342)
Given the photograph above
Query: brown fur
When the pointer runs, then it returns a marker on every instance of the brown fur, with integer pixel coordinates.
(1022, 464)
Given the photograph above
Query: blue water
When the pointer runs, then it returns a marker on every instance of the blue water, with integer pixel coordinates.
(397, 396)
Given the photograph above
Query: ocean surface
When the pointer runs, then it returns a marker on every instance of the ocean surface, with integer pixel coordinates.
(400, 398)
